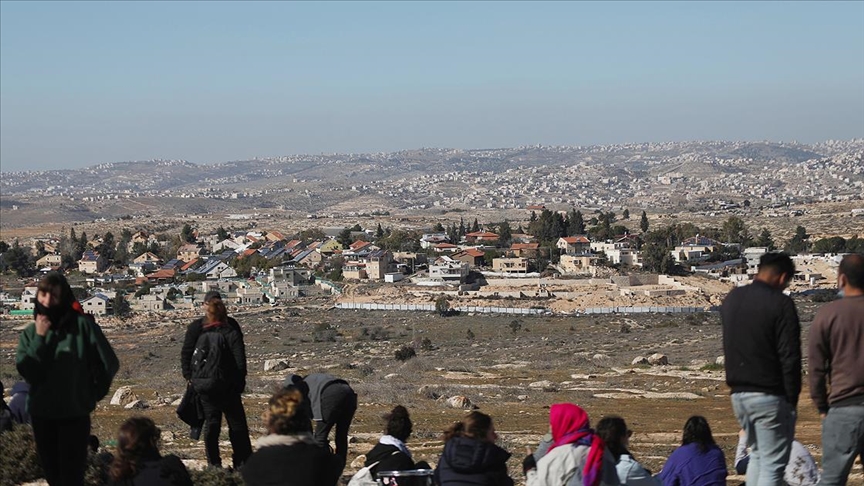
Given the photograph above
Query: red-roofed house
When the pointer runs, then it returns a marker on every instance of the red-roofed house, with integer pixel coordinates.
(445, 248)
(574, 245)
(163, 275)
(479, 236)
(471, 256)
(527, 250)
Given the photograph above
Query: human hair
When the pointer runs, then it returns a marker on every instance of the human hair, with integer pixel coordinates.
(55, 283)
(475, 425)
(777, 263)
(697, 430)
(137, 438)
(613, 431)
(286, 414)
(399, 423)
(852, 267)
(215, 311)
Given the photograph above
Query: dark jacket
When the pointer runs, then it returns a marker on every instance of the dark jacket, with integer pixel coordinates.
(290, 461)
(69, 369)
(158, 471)
(316, 383)
(236, 369)
(389, 458)
(762, 342)
(467, 462)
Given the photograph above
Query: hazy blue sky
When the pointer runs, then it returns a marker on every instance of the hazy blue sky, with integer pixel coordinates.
(85, 83)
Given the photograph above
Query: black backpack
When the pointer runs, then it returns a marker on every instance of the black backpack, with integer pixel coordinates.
(208, 367)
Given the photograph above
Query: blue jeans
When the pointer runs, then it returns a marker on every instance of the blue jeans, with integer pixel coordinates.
(769, 421)
(842, 440)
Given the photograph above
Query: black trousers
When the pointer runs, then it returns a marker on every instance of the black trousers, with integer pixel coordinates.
(62, 448)
(338, 404)
(238, 430)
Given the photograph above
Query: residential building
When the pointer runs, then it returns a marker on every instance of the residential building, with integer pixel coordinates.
(148, 257)
(98, 305)
(28, 298)
(92, 262)
(471, 256)
(50, 260)
(694, 249)
(480, 237)
(354, 270)
(430, 240)
(189, 252)
(527, 250)
(249, 295)
(510, 265)
(149, 303)
(329, 247)
(574, 245)
(578, 264)
(448, 270)
(752, 255)
(378, 263)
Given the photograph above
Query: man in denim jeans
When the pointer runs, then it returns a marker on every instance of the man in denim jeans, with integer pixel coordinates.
(762, 347)
(836, 358)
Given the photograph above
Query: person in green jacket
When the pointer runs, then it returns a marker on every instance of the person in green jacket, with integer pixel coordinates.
(69, 365)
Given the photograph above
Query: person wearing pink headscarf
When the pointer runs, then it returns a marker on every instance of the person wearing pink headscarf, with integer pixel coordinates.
(577, 456)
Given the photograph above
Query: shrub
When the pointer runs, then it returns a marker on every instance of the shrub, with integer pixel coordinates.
(442, 306)
(712, 367)
(470, 335)
(405, 353)
(515, 326)
(324, 333)
(426, 344)
(823, 296)
(212, 476)
(18, 462)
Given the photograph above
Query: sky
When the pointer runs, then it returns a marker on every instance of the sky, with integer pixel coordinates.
(83, 83)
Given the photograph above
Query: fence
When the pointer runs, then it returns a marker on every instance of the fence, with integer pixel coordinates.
(524, 310)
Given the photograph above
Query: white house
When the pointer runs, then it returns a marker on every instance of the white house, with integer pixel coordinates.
(98, 305)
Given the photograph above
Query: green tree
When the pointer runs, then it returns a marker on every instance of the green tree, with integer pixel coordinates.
(462, 231)
(765, 240)
(357, 227)
(626, 214)
(442, 306)
(643, 222)
(505, 233)
(19, 260)
(575, 223)
(438, 228)
(344, 237)
(222, 233)
(186, 234)
(106, 248)
(735, 231)
(121, 306)
(379, 232)
(798, 242)
(835, 244)
(3, 246)
(475, 227)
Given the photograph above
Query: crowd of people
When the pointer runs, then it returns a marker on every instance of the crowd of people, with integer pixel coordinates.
(64, 353)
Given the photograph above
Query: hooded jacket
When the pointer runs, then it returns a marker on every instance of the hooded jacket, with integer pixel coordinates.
(468, 462)
(236, 370)
(69, 369)
(158, 470)
(389, 458)
(290, 460)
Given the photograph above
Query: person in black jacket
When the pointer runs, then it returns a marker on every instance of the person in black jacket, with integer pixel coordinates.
(470, 455)
(762, 348)
(227, 400)
(138, 462)
(390, 452)
(288, 456)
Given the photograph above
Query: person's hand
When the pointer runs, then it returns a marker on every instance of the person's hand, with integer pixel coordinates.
(823, 415)
(742, 434)
(42, 324)
(528, 464)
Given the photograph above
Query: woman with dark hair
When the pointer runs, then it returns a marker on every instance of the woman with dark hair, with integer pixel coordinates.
(222, 394)
(615, 434)
(699, 461)
(138, 462)
(470, 455)
(288, 455)
(390, 453)
(577, 456)
(69, 364)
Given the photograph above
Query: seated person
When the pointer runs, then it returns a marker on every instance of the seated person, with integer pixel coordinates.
(138, 461)
(614, 432)
(800, 471)
(390, 453)
(698, 462)
(288, 455)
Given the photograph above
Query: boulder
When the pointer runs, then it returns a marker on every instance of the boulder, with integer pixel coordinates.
(275, 364)
(721, 360)
(390, 376)
(522, 398)
(544, 384)
(459, 401)
(123, 396)
(640, 360)
(658, 359)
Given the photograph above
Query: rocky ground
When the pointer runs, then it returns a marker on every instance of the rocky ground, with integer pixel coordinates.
(511, 368)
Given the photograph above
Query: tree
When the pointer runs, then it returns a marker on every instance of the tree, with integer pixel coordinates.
(835, 244)
(80, 246)
(379, 232)
(186, 234)
(461, 228)
(222, 233)
(438, 228)
(442, 306)
(735, 231)
(643, 223)
(344, 237)
(475, 227)
(575, 223)
(19, 260)
(505, 234)
(798, 242)
(626, 214)
(765, 240)
(357, 227)
(106, 248)
(121, 306)
(3, 246)
(40, 249)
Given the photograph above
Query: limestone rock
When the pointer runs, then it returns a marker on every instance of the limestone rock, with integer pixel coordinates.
(123, 396)
(640, 360)
(275, 364)
(541, 384)
(358, 462)
(459, 401)
(658, 359)
(136, 405)
(721, 360)
(391, 376)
